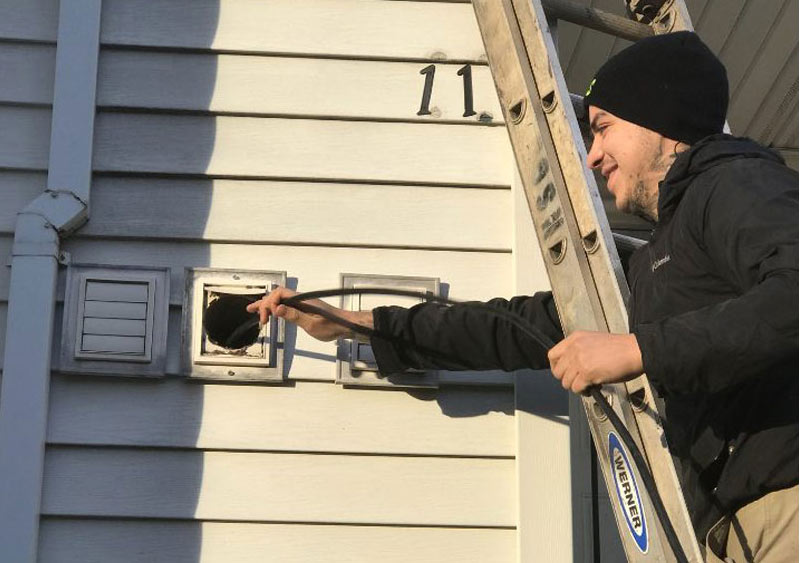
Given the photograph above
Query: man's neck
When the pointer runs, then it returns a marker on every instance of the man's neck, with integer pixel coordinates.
(669, 150)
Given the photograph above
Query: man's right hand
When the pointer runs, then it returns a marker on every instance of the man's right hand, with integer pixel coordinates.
(315, 325)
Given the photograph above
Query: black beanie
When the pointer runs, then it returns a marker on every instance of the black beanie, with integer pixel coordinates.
(671, 84)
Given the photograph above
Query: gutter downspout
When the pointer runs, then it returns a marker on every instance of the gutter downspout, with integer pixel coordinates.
(58, 212)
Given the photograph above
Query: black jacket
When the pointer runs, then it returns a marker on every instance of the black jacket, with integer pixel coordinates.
(714, 307)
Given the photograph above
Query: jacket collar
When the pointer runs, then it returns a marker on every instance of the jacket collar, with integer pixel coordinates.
(703, 155)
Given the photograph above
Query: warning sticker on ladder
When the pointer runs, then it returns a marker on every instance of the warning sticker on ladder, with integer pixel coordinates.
(627, 492)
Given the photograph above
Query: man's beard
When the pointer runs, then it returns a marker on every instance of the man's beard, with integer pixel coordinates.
(641, 203)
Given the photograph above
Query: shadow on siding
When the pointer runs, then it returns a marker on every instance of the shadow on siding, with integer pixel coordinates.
(144, 498)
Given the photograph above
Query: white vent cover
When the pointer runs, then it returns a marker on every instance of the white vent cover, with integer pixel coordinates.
(260, 358)
(356, 361)
(115, 321)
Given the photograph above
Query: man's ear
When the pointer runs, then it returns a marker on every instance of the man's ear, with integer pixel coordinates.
(675, 147)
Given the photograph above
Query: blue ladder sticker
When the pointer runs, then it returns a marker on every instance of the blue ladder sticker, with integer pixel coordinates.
(627, 492)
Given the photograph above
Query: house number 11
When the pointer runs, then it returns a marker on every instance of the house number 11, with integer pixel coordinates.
(465, 72)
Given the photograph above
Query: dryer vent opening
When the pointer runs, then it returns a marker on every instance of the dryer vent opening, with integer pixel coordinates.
(227, 322)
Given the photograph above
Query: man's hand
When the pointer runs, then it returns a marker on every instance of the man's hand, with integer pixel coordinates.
(315, 325)
(593, 358)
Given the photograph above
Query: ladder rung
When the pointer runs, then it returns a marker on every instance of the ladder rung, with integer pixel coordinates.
(596, 19)
(624, 242)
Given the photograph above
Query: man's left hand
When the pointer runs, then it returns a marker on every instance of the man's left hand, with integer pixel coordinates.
(594, 358)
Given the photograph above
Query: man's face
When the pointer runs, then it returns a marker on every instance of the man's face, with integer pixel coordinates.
(632, 160)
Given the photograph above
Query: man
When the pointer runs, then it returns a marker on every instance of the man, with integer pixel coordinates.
(714, 297)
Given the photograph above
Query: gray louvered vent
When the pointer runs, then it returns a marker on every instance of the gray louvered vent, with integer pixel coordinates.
(115, 321)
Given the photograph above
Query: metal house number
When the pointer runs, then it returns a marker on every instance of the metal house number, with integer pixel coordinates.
(429, 71)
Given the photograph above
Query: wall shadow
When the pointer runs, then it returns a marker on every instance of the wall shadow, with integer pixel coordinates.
(537, 392)
(152, 508)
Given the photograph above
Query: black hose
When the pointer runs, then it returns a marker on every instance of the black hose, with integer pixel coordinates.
(297, 302)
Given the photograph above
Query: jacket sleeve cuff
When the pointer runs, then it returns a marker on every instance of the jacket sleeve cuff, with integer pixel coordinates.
(387, 354)
(665, 376)
(644, 338)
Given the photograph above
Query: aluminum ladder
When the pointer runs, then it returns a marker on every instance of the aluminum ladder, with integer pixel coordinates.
(578, 247)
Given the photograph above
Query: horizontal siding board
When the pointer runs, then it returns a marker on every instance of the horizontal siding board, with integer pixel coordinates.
(135, 541)
(309, 416)
(308, 359)
(35, 20)
(24, 137)
(17, 189)
(350, 28)
(302, 148)
(464, 272)
(470, 275)
(293, 212)
(279, 487)
(257, 84)
(275, 212)
(289, 86)
(272, 147)
(33, 69)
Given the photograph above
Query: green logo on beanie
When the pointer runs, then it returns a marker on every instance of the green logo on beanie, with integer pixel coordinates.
(589, 91)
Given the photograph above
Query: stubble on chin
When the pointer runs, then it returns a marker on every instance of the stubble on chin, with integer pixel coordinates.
(643, 201)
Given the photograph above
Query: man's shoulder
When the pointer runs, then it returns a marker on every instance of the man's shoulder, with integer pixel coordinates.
(742, 181)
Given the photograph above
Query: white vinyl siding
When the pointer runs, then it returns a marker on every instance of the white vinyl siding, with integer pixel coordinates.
(99, 541)
(276, 136)
(360, 29)
(26, 91)
(267, 212)
(273, 147)
(279, 487)
(309, 416)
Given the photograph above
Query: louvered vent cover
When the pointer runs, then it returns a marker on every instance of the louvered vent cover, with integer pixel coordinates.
(115, 321)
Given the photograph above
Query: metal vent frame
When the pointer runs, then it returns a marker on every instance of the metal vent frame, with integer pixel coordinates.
(354, 363)
(73, 357)
(237, 366)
